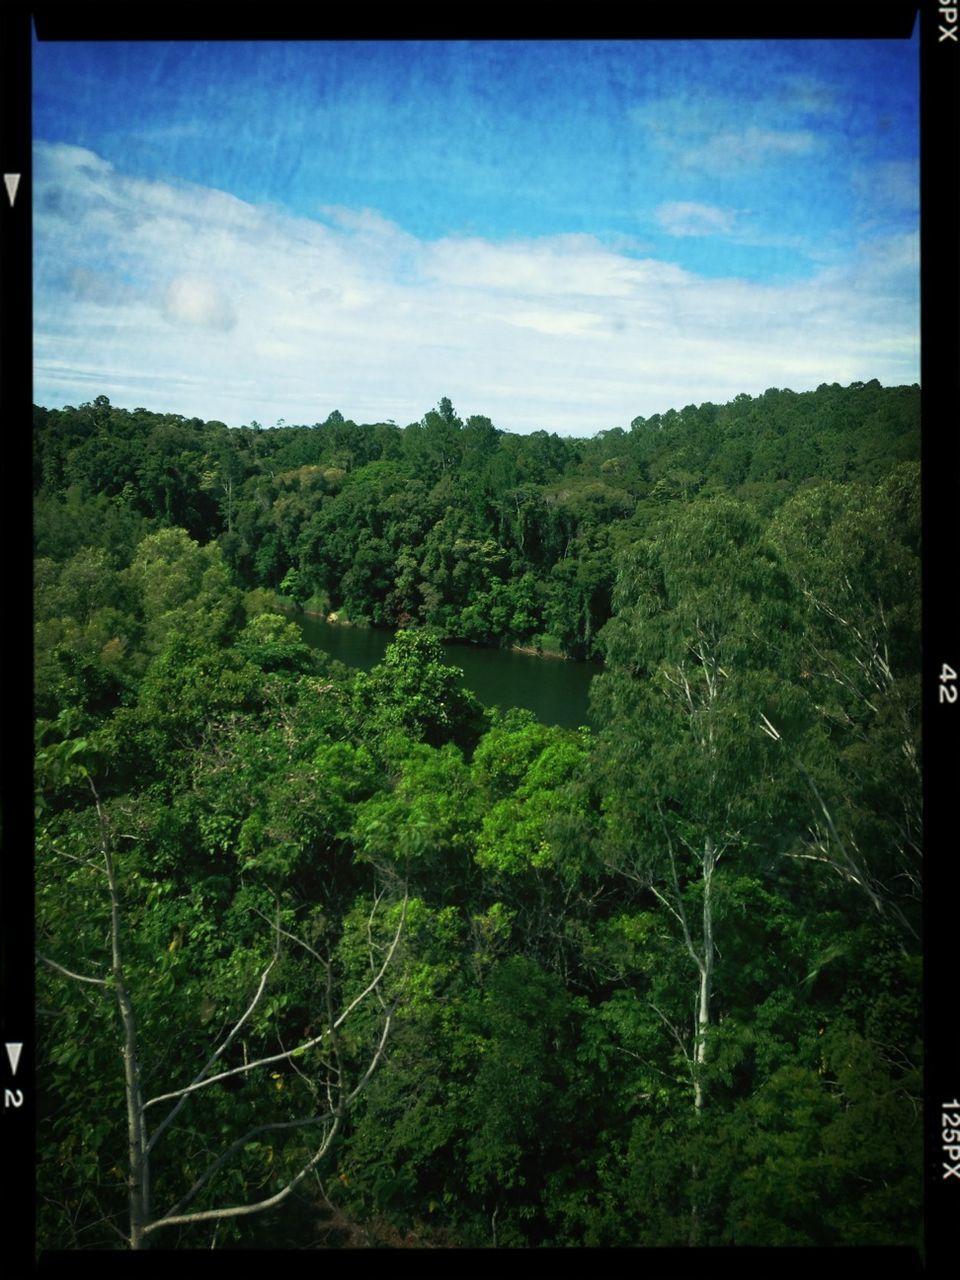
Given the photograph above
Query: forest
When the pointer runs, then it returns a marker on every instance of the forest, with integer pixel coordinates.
(330, 958)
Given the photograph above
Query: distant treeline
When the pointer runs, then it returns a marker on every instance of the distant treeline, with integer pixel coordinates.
(476, 533)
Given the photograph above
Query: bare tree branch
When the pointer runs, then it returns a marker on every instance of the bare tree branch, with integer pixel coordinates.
(292, 936)
(373, 1061)
(300, 1049)
(84, 862)
(697, 960)
(138, 1170)
(217, 1053)
(339, 1094)
(846, 865)
(237, 1211)
(674, 1032)
(665, 901)
(77, 977)
(235, 1146)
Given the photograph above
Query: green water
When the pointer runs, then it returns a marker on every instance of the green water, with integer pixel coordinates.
(557, 692)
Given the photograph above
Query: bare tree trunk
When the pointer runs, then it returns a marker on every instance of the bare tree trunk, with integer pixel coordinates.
(706, 972)
(138, 1182)
(703, 1018)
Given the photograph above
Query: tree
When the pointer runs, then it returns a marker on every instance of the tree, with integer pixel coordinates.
(425, 824)
(223, 474)
(414, 691)
(690, 779)
(328, 1092)
(854, 553)
(183, 587)
(698, 803)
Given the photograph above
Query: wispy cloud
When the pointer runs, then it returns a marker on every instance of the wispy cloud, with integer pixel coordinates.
(885, 188)
(745, 148)
(714, 134)
(687, 218)
(187, 299)
(808, 94)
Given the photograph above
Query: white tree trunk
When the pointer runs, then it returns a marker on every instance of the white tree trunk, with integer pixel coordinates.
(706, 973)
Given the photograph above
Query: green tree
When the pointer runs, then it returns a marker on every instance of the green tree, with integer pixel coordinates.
(158, 961)
(184, 587)
(854, 553)
(692, 780)
(415, 691)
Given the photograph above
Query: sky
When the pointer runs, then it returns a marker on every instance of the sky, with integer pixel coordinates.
(560, 235)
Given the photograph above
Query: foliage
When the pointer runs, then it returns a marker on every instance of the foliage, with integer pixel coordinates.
(488, 537)
(656, 984)
(413, 691)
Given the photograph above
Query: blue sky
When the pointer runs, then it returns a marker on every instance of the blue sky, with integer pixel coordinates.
(557, 234)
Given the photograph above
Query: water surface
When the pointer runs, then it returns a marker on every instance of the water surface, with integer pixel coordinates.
(557, 692)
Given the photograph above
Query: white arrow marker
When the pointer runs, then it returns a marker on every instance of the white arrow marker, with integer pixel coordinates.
(13, 1053)
(11, 182)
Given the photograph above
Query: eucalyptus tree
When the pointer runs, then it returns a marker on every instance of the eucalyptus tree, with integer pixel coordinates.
(696, 654)
(698, 801)
(854, 553)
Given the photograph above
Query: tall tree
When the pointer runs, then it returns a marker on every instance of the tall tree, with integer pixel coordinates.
(854, 553)
(690, 775)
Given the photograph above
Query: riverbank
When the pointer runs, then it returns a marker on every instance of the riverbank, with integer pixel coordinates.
(539, 653)
(335, 620)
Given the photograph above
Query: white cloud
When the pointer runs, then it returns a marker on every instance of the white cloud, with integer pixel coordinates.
(555, 322)
(191, 301)
(748, 147)
(196, 301)
(685, 218)
(709, 134)
(736, 151)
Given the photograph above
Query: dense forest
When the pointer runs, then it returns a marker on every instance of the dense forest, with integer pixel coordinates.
(394, 968)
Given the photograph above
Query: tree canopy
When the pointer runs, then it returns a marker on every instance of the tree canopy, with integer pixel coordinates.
(362, 955)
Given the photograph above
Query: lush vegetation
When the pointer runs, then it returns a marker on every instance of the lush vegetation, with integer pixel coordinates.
(477, 534)
(517, 985)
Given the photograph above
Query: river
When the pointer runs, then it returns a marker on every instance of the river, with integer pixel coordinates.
(557, 692)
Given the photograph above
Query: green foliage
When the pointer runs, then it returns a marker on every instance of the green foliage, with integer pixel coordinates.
(554, 1075)
(698, 654)
(274, 644)
(425, 824)
(184, 587)
(525, 829)
(507, 751)
(414, 691)
(860, 662)
(488, 537)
